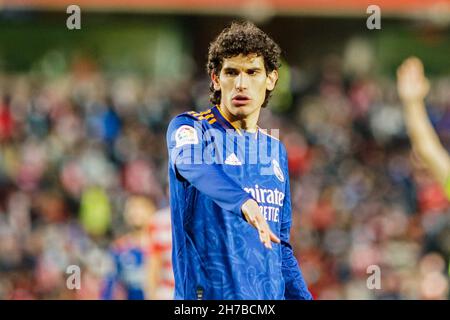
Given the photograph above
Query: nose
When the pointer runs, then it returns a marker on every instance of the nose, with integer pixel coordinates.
(241, 82)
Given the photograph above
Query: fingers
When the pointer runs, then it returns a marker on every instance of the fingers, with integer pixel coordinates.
(251, 212)
(274, 238)
(415, 64)
(411, 68)
(412, 85)
(266, 236)
(262, 228)
(263, 234)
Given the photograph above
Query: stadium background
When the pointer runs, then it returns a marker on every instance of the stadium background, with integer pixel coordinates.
(83, 115)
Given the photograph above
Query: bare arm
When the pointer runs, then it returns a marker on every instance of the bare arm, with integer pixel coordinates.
(154, 270)
(412, 88)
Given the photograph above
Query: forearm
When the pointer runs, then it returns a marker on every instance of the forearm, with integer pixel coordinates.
(211, 180)
(425, 140)
(154, 269)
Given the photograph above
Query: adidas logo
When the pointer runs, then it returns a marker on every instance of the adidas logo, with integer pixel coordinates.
(233, 160)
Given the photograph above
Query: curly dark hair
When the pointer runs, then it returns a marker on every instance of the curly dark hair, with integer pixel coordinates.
(241, 38)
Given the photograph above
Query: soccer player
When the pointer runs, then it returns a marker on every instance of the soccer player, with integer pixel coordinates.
(161, 234)
(413, 87)
(134, 270)
(229, 183)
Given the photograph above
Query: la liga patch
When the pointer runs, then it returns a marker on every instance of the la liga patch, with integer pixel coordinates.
(185, 135)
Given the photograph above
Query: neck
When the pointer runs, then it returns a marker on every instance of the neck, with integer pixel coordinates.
(248, 123)
(140, 236)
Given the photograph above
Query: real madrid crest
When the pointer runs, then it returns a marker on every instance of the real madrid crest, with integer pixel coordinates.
(277, 170)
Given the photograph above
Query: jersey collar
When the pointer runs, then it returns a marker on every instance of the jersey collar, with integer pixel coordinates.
(222, 119)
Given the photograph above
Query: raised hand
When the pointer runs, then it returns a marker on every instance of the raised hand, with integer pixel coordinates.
(412, 85)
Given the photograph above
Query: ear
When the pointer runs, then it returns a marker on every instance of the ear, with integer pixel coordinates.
(271, 80)
(215, 80)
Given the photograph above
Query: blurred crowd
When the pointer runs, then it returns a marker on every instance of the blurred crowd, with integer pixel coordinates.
(74, 149)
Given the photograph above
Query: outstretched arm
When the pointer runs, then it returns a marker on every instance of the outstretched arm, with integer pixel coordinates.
(186, 143)
(413, 87)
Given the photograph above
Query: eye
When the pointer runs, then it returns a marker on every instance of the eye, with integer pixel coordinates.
(230, 72)
(253, 72)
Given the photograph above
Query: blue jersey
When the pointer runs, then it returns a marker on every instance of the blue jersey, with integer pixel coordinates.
(128, 271)
(213, 169)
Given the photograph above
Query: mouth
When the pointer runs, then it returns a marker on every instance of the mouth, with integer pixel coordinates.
(240, 100)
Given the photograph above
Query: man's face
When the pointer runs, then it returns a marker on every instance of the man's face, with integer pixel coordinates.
(138, 213)
(243, 83)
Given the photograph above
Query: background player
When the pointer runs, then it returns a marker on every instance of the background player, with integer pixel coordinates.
(134, 273)
(161, 235)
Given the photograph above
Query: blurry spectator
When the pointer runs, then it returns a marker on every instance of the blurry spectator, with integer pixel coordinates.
(161, 233)
(95, 211)
(6, 120)
(134, 270)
